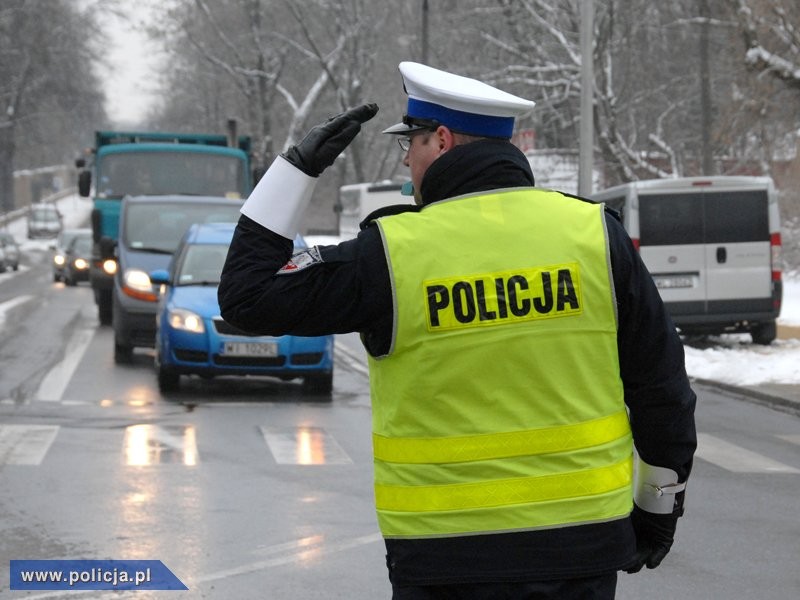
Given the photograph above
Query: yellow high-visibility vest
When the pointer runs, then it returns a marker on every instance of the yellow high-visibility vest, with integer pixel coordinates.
(499, 406)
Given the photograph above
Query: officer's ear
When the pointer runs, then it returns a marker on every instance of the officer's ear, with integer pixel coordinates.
(444, 139)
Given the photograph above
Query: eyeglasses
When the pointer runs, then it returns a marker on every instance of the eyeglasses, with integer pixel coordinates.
(404, 141)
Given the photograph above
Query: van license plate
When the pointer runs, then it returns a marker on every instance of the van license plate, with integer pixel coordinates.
(674, 282)
(250, 349)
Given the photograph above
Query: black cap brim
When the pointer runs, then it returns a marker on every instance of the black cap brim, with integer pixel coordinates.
(403, 129)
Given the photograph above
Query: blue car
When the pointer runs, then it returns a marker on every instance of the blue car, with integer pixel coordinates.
(192, 338)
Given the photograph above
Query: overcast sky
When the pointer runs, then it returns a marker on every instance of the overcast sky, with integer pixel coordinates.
(133, 67)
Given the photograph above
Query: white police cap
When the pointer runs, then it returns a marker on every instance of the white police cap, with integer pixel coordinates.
(459, 103)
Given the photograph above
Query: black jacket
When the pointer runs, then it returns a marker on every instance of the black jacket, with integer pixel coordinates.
(348, 289)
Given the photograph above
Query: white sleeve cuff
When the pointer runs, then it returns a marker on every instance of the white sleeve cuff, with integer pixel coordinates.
(280, 199)
(655, 488)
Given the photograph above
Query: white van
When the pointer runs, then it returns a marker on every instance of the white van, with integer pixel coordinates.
(358, 200)
(712, 245)
(44, 220)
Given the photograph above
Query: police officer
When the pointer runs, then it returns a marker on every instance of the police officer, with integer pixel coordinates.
(518, 351)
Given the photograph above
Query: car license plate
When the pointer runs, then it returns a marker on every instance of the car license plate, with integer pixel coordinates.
(682, 281)
(250, 349)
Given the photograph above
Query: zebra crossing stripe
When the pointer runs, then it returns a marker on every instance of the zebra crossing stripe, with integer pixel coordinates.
(304, 446)
(147, 445)
(25, 444)
(736, 459)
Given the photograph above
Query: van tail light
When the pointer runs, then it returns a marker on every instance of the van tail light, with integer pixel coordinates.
(775, 248)
(635, 243)
(777, 286)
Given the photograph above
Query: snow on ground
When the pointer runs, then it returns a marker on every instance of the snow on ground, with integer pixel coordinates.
(731, 359)
(734, 360)
(75, 211)
(790, 311)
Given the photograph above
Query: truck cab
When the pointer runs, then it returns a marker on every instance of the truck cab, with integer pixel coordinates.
(152, 164)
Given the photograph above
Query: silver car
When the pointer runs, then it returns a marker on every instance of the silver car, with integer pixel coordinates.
(44, 220)
(9, 250)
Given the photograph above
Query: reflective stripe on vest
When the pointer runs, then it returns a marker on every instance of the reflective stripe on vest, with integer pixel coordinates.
(499, 405)
(502, 492)
(545, 440)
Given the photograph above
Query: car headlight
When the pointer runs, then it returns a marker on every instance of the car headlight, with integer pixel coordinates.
(186, 320)
(136, 284)
(110, 266)
(59, 260)
(81, 264)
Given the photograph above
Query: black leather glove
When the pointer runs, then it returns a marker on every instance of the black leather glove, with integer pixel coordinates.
(326, 141)
(654, 536)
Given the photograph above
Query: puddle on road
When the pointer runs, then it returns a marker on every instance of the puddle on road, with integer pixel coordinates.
(146, 445)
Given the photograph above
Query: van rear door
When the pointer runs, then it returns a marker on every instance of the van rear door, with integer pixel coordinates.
(671, 236)
(737, 252)
(708, 249)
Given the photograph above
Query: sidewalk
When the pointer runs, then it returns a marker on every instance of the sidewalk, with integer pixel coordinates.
(779, 396)
(782, 393)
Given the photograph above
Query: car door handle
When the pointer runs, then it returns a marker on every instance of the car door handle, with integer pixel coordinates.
(722, 255)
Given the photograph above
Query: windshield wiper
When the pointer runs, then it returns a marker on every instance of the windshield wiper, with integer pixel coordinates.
(152, 249)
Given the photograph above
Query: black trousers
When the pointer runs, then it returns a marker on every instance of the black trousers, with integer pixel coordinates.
(602, 587)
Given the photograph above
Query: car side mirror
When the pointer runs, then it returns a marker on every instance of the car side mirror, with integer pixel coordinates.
(159, 276)
(84, 183)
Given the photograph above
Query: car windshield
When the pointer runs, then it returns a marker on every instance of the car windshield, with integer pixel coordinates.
(66, 237)
(82, 246)
(202, 264)
(44, 213)
(159, 226)
(162, 173)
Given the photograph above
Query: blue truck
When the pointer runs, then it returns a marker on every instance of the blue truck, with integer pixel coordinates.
(135, 163)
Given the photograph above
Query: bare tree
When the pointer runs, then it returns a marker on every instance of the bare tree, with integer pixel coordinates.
(283, 60)
(47, 87)
(665, 79)
(770, 98)
(771, 33)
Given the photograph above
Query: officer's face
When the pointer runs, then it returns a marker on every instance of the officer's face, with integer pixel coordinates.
(425, 148)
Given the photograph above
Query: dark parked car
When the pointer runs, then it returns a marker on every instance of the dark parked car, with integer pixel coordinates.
(44, 220)
(60, 249)
(10, 251)
(78, 257)
(192, 338)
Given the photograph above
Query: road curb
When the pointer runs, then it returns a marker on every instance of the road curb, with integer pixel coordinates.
(756, 396)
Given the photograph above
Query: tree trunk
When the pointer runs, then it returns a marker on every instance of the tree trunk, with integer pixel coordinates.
(706, 117)
(7, 167)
